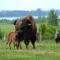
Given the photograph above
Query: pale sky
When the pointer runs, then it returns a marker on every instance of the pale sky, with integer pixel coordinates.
(29, 4)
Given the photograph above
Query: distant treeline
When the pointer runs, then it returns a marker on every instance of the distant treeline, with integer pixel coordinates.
(7, 21)
(12, 21)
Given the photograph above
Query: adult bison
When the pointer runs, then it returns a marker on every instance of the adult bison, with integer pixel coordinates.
(57, 39)
(27, 30)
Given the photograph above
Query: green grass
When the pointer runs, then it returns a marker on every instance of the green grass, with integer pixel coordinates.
(5, 27)
(45, 50)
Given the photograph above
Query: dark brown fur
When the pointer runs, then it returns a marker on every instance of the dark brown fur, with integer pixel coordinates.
(58, 38)
(30, 33)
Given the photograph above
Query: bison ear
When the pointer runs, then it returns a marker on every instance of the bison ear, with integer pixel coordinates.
(15, 22)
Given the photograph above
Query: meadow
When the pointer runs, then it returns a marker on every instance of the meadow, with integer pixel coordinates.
(45, 50)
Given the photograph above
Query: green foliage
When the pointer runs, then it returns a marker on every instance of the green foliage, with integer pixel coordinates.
(50, 32)
(43, 28)
(6, 21)
(42, 19)
(47, 31)
(52, 18)
(5, 28)
(47, 50)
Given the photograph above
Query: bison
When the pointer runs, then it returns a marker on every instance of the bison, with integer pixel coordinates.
(11, 38)
(57, 39)
(27, 30)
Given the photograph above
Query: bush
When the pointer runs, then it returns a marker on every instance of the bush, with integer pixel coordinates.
(47, 31)
(50, 32)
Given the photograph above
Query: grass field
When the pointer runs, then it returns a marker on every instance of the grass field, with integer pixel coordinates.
(5, 27)
(45, 50)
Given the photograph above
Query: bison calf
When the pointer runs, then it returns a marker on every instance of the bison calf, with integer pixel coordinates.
(11, 38)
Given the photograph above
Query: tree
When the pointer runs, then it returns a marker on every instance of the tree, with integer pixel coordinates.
(42, 30)
(42, 19)
(52, 18)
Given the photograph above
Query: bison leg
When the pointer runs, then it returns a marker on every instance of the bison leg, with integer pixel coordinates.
(26, 43)
(33, 43)
(20, 45)
(33, 39)
(17, 44)
(10, 45)
(14, 43)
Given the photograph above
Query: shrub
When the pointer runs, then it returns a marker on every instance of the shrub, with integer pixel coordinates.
(50, 32)
(47, 31)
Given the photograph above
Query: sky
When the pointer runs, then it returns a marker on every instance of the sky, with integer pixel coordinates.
(29, 4)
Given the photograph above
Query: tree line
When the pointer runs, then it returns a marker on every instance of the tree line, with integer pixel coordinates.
(47, 26)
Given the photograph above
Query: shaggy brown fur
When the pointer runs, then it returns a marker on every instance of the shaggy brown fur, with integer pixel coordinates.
(28, 27)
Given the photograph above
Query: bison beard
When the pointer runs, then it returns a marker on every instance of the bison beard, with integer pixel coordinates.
(26, 31)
